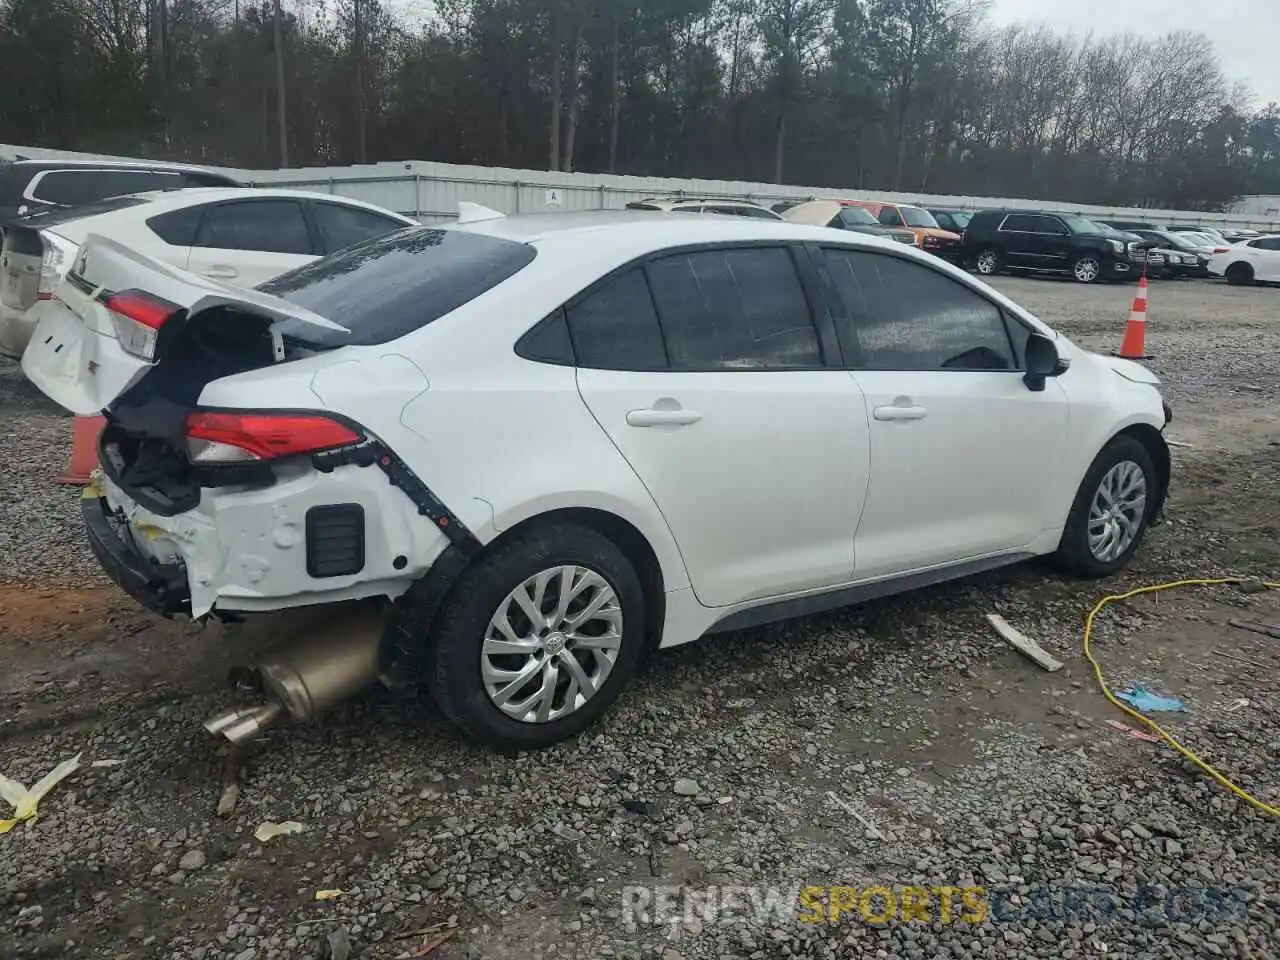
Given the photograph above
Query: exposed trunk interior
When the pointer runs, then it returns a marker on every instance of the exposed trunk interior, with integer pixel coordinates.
(144, 447)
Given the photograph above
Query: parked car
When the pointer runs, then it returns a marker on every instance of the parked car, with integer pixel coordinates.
(1172, 256)
(29, 186)
(1248, 262)
(709, 422)
(933, 239)
(952, 220)
(1130, 226)
(1135, 243)
(1042, 241)
(1205, 244)
(1215, 236)
(728, 207)
(241, 235)
(845, 216)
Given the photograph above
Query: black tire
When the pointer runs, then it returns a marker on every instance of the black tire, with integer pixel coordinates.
(1074, 555)
(452, 664)
(1238, 274)
(988, 262)
(1080, 270)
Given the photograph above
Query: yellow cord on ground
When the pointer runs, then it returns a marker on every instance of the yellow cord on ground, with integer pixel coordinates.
(1165, 734)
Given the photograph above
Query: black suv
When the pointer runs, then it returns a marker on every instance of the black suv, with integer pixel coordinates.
(1032, 240)
(28, 186)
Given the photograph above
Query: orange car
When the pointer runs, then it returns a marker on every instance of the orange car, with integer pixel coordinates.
(932, 238)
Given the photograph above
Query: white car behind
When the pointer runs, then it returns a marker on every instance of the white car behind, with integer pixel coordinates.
(1250, 261)
(238, 234)
(510, 455)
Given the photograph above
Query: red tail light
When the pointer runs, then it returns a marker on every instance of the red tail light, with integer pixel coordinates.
(138, 318)
(237, 437)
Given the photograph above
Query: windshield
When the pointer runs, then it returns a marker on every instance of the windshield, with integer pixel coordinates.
(915, 217)
(961, 218)
(858, 216)
(1081, 225)
(1175, 241)
(383, 288)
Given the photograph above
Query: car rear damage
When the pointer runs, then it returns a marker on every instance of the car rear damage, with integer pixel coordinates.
(203, 508)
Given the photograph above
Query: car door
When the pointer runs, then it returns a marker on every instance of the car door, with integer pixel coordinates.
(1053, 242)
(245, 242)
(1264, 254)
(1019, 241)
(708, 372)
(961, 449)
(340, 225)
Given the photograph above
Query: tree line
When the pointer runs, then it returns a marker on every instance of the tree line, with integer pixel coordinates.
(906, 95)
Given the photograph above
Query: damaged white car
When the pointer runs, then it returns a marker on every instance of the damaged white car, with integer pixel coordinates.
(507, 456)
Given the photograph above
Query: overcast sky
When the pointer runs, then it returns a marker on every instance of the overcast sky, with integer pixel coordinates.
(1245, 33)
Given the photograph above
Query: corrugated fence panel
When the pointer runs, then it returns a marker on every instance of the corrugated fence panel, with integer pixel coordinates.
(432, 191)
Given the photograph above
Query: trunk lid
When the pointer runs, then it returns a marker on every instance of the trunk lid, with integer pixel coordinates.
(84, 354)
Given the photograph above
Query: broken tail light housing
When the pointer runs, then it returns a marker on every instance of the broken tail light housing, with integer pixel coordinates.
(224, 438)
(138, 317)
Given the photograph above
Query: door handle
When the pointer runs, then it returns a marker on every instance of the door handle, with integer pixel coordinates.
(222, 272)
(899, 413)
(654, 417)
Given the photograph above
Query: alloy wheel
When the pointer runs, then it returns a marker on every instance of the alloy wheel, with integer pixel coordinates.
(988, 262)
(1087, 269)
(551, 644)
(1118, 511)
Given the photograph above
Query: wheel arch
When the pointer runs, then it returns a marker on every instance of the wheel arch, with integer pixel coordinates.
(1154, 442)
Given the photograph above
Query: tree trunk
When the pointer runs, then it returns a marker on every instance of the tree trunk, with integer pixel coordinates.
(362, 154)
(781, 136)
(615, 91)
(575, 100)
(280, 104)
(557, 67)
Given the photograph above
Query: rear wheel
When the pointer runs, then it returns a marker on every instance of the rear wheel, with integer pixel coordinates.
(1087, 269)
(1239, 274)
(989, 262)
(1111, 510)
(537, 638)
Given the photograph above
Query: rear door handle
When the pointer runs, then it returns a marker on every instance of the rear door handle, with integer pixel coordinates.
(653, 417)
(899, 413)
(222, 272)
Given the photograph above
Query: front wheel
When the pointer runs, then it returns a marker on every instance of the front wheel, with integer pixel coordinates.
(537, 638)
(1111, 511)
(989, 262)
(1087, 269)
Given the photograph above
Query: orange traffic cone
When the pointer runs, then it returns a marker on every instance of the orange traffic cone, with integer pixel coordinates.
(1133, 347)
(84, 451)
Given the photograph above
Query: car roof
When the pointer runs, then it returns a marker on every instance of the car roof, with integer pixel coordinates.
(189, 196)
(117, 165)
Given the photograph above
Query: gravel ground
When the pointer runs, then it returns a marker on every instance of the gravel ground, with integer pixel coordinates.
(898, 744)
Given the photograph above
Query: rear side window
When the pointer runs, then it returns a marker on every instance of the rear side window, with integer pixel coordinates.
(341, 226)
(382, 289)
(178, 227)
(268, 226)
(69, 187)
(734, 309)
(615, 327)
(906, 316)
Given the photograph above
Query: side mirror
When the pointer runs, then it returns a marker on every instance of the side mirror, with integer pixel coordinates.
(1042, 362)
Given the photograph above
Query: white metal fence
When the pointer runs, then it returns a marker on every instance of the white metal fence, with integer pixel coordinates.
(431, 191)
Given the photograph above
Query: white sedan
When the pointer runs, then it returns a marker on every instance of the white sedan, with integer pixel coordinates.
(240, 235)
(1248, 261)
(506, 457)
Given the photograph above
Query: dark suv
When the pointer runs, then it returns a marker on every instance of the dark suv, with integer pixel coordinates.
(1018, 240)
(28, 186)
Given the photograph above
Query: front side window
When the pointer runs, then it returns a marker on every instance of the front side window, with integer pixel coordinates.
(916, 217)
(1019, 223)
(734, 309)
(266, 226)
(890, 217)
(905, 316)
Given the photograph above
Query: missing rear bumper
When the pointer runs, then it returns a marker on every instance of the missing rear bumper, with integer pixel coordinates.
(161, 588)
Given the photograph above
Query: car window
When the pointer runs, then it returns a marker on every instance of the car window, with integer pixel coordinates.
(382, 289)
(943, 219)
(69, 187)
(341, 226)
(1020, 222)
(859, 216)
(916, 217)
(615, 327)
(1266, 243)
(49, 216)
(196, 179)
(178, 227)
(890, 217)
(906, 316)
(268, 226)
(734, 309)
(740, 211)
(1048, 225)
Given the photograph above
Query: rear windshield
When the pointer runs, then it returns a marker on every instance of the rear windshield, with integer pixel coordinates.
(53, 216)
(384, 288)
